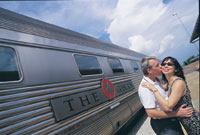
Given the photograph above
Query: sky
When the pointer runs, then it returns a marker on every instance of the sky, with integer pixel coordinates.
(145, 26)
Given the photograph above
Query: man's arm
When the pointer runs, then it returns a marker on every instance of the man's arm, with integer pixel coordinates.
(181, 112)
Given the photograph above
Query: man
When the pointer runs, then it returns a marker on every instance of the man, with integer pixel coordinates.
(163, 123)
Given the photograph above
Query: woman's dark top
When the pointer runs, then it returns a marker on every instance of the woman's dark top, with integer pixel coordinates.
(191, 124)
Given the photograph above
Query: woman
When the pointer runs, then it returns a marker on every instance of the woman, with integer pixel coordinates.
(178, 93)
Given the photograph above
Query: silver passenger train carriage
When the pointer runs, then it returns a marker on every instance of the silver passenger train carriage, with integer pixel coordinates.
(57, 81)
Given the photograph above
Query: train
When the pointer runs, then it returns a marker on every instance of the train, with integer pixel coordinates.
(60, 82)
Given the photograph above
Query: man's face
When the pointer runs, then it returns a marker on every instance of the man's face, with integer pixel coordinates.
(156, 68)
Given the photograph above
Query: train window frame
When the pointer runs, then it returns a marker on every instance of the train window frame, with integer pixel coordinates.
(18, 66)
(138, 66)
(119, 63)
(74, 59)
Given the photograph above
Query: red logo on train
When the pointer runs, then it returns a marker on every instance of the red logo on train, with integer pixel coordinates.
(108, 88)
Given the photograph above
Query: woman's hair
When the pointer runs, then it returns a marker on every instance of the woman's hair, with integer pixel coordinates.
(178, 69)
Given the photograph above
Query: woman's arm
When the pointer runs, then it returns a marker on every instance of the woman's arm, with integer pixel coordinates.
(178, 90)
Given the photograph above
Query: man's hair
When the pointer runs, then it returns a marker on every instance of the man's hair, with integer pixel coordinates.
(145, 64)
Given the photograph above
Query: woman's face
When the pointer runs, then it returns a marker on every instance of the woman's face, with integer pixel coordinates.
(168, 67)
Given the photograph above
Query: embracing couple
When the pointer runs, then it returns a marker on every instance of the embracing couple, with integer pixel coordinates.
(169, 103)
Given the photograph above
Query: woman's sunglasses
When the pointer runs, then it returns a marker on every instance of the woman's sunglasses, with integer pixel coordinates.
(169, 64)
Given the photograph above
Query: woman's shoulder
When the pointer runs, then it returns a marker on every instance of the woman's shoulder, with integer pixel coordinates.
(178, 81)
(178, 78)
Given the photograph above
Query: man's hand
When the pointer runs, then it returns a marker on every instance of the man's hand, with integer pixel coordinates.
(184, 112)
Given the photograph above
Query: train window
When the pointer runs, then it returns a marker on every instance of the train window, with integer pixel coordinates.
(116, 65)
(139, 65)
(87, 65)
(9, 70)
(135, 66)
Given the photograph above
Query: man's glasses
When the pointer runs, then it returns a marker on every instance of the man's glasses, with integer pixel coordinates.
(169, 64)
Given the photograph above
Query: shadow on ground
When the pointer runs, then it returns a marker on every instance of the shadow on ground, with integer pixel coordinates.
(134, 124)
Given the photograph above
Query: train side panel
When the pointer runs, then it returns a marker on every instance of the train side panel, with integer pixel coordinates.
(56, 81)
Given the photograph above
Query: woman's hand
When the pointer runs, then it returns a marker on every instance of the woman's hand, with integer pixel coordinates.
(149, 86)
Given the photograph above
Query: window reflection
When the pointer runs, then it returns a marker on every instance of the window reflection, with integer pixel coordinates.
(8, 65)
(135, 66)
(87, 65)
(116, 65)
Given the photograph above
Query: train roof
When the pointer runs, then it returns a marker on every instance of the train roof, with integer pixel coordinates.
(16, 22)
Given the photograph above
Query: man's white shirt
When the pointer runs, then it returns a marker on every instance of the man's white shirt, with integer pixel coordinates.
(147, 97)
